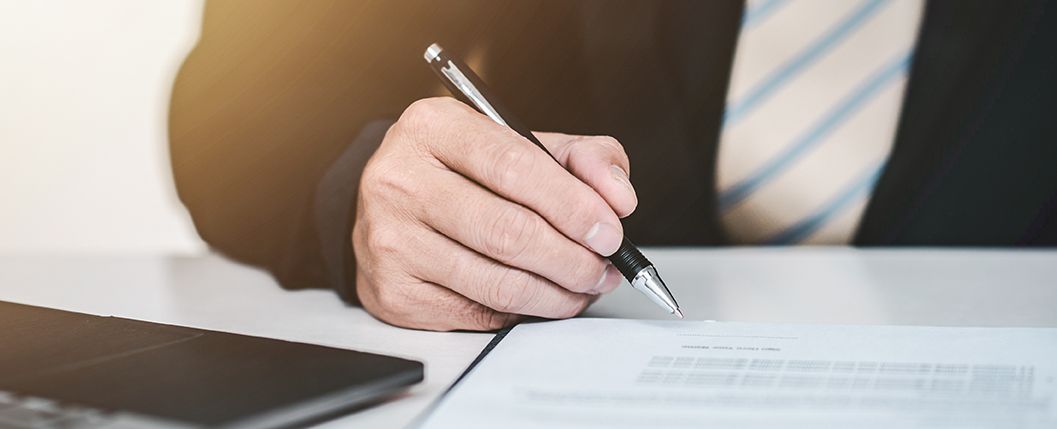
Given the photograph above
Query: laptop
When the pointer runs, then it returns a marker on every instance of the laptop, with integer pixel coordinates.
(70, 370)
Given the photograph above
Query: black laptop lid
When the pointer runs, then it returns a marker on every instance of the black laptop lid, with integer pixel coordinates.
(185, 375)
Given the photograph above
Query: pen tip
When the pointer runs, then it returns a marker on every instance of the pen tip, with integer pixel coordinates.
(678, 313)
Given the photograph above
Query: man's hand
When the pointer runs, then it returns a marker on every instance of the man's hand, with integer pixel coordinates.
(463, 224)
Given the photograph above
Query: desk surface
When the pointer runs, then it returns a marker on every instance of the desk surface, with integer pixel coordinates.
(796, 285)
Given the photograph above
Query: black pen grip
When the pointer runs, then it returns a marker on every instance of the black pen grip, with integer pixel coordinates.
(629, 260)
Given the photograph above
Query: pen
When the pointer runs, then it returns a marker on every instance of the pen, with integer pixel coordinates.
(465, 85)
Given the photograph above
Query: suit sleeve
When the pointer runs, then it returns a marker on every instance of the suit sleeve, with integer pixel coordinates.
(272, 118)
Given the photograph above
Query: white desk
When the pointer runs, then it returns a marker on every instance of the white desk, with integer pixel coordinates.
(803, 285)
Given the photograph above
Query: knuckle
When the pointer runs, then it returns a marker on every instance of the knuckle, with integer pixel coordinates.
(382, 241)
(511, 163)
(391, 293)
(370, 177)
(398, 185)
(360, 248)
(614, 146)
(447, 313)
(586, 274)
(509, 233)
(374, 178)
(387, 298)
(393, 181)
(390, 303)
(610, 143)
(579, 215)
(486, 320)
(511, 293)
(464, 268)
(423, 113)
(419, 126)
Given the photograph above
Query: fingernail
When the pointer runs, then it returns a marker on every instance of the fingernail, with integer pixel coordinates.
(603, 238)
(601, 280)
(609, 281)
(622, 176)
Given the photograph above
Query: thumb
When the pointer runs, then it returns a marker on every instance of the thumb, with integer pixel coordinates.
(598, 161)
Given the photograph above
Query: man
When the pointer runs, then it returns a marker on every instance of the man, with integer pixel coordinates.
(304, 139)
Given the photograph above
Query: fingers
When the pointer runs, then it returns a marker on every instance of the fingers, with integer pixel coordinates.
(400, 262)
(496, 286)
(508, 165)
(430, 306)
(387, 256)
(511, 234)
(600, 162)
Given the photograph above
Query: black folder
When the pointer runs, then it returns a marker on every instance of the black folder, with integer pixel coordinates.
(57, 365)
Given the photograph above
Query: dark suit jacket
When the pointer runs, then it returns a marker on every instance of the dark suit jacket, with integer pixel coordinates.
(278, 107)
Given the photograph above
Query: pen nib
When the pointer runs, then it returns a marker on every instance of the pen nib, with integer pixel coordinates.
(649, 283)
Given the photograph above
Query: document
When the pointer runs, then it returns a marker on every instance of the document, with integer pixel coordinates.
(609, 373)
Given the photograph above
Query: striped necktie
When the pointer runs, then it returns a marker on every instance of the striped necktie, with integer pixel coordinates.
(811, 114)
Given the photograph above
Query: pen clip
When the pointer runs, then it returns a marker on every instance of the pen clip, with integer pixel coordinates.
(457, 78)
(466, 86)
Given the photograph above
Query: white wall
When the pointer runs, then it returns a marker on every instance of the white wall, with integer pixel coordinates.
(84, 92)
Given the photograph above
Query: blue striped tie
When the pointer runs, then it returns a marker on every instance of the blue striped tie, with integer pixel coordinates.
(811, 115)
